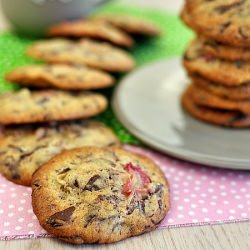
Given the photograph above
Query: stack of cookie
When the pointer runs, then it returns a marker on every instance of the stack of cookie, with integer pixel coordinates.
(83, 190)
(218, 62)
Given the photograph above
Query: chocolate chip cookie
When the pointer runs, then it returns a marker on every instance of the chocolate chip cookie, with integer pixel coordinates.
(213, 115)
(237, 93)
(224, 21)
(217, 70)
(92, 29)
(222, 51)
(130, 24)
(24, 148)
(68, 77)
(87, 52)
(26, 106)
(92, 195)
(202, 97)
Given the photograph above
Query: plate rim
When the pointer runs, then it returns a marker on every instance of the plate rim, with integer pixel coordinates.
(182, 154)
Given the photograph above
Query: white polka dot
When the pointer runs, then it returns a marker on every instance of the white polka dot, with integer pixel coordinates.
(6, 223)
(30, 225)
(31, 232)
(197, 182)
(193, 205)
(175, 185)
(22, 201)
(201, 201)
(243, 190)
(3, 185)
(30, 211)
(11, 206)
(212, 182)
(186, 200)
(18, 228)
(233, 183)
(212, 203)
(20, 209)
(180, 215)
(223, 178)
(170, 220)
(10, 214)
(214, 197)
(193, 195)
(176, 178)
(34, 217)
(181, 173)
(237, 197)
(180, 207)
(223, 194)
(203, 195)
(172, 170)
(232, 191)
(222, 187)
(241, 176)
(25, 194)
(231, 217)
(204, 177)
(194, 220)
(1, 211)
(197, 188)
(6, 232)
(176, 192)
(176, 198)
(219, 211)
(240, 206)
(244, 214)
(191, 213)
(43, 231)
(226, 202)
(232, 211)
(206, 219)
(12, 189)
(20, 219)
(2, 191)
(13, 195)
(189, 177)
(185, 190)
(210, 190)
(204, 210)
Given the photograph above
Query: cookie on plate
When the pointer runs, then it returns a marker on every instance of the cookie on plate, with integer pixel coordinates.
(24, 148)
(92, 195)
(226, 22)
(68, 77)
(204, 98)
(212, 115)
(223, 51)
(225, 72)
(87, 52)
(26, 106)
(237, 93)
(92, 29)
(130, 24)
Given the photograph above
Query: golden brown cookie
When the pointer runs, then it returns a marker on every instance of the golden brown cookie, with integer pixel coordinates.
(214, 116)
(130, 24)
(68, 77)
(25, 106)
(224, 21)
(86, 52)
(237, 93)
(92, 195)
(222, 51)
(24, 148)
(91, 29)
(225, 72)
(204, 98)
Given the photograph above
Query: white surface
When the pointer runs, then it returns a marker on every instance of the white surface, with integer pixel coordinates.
(147, 102)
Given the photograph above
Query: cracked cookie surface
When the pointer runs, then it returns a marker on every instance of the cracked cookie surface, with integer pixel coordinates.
(92, 195)
(24, 148)
(26, 106)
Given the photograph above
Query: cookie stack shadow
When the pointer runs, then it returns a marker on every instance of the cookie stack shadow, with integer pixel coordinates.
(218, 62)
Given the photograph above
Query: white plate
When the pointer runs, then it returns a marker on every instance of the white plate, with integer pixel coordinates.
(147, 102)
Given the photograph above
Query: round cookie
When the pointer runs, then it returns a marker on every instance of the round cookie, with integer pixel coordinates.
(214, 116)
(130, 24)
(222, 51)
(25, 106)
(227, 22)
(92, 29)
(237, 93)
(24, 148)
(86, 52)
(217, 70)
(68, 77)
(204, 98)
(92, 195)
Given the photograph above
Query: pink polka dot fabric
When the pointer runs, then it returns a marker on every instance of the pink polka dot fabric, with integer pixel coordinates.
(199, 195)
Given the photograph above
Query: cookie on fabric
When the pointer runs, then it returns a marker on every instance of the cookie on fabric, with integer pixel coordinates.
(92, 29)
(130, 24)
(223, 21)
(24, 148)
(92, 195)
(86, 52)
(213, 115)
(26, 106)
(229, 73)
(241, 92)
(68, 77)
(224, 51)
(204, 98)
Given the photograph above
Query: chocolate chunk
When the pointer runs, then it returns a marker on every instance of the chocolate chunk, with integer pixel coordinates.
(76, 183)
(160, 204)
(90, 219)
(225, 26)
(90, 186)
(61, 218)
(224, 8)
(65, 170)
(242, 33)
